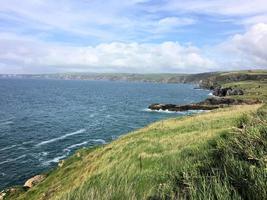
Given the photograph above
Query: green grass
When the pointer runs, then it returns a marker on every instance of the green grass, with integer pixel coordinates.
(176, 158)
(252, 89)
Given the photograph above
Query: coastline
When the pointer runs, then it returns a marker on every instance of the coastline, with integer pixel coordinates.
(237, 101)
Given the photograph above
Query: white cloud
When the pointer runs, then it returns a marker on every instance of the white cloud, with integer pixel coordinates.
(172, 23)
(255, 19)
(248, 49)
(113, 25)
(175, 21)
(27, 55)
(36, 56)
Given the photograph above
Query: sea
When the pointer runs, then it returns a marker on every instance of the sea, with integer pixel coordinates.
(45, 121)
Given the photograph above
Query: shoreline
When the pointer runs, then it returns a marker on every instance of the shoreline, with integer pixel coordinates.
(211, 103)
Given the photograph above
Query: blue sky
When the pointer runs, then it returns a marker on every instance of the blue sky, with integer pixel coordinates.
(47, 36)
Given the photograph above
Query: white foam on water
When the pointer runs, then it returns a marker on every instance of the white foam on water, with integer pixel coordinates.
(6, 123)
(28, 142)
(55, 160)
(92, 115)
(12, 159)
(160, 111)
(173, 112)
(61, 137)
(44, 153)
(99, 140)
(8, 147)
(5, 120)
(75, 145)
(39, 155)
(210, 94)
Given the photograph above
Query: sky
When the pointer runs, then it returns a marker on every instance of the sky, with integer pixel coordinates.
(134, 36)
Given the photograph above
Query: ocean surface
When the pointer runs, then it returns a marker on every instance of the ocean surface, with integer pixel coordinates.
(43, 121)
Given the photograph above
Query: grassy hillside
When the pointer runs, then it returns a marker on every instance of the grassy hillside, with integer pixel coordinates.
(222, 78)
(253, 89)
(184, 157)
(221, 154)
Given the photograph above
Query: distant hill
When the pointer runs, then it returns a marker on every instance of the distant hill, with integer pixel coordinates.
(204, 79)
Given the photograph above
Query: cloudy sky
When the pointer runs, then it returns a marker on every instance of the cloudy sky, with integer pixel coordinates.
(143, 36)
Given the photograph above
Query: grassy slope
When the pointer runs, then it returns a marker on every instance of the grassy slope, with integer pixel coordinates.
(141, 164)
(215, 155)
(252, 89)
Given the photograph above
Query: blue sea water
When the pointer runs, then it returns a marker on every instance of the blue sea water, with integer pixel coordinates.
(43, 121)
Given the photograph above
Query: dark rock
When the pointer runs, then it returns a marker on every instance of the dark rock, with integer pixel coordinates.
(222, 92)
(234, 92)
(208, 104)
(158, 106)
(179, 108)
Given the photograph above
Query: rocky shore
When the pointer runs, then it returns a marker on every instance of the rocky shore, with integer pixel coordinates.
(219, 100)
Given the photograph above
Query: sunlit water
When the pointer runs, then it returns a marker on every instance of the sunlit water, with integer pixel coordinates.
(43, 121)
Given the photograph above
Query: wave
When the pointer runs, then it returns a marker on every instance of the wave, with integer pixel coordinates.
(84, 143)
(61, 137)
(12, 159)
(6, 123)
(210, 94)
(55, 160)
(40, 155)
(160, 111)
(8, 147)
(75, 145)
(99, 140)
(27, 142)
(8, 119)
(175, 112)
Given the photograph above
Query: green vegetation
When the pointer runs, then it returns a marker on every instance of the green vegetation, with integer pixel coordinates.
(252, 89)
(221, 154)
(207, 155)
(204, 79)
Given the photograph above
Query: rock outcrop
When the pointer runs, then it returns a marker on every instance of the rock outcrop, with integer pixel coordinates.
(222, 92)
(34, 181)
(180, 108)
(208, 104)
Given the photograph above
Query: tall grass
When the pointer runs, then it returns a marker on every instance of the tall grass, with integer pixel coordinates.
(184, 158)
(235, 169)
